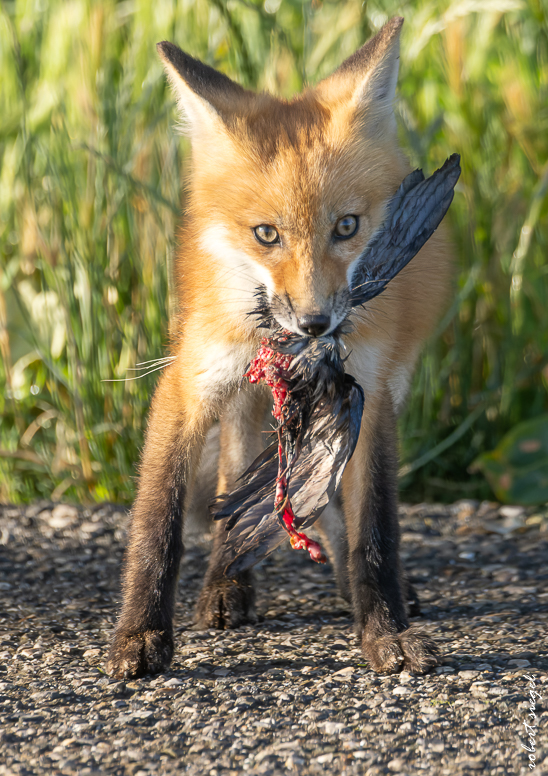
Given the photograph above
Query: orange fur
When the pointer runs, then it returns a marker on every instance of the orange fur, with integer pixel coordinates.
(298, 166)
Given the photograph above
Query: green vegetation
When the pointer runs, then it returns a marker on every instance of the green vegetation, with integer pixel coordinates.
(517, 469)
(89, 201)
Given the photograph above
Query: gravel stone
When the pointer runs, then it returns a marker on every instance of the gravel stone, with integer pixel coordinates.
(292, 694)
(467, 675)
(397, 765)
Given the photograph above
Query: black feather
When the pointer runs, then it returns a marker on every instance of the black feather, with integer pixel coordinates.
(324, 406)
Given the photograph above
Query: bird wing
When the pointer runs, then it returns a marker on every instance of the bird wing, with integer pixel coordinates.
(327, 447)
(413, 214)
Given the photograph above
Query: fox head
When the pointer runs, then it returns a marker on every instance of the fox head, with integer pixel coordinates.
(286, 194)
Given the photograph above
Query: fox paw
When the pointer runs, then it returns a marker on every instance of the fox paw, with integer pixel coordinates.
(405, 651)
(226, 603)
(137, 654)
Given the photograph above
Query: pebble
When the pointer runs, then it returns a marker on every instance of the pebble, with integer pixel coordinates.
(290, 695)
(511, 512)
(332, 728)
(294, 762)
(62, 516)
(468, 675)
(324, 759)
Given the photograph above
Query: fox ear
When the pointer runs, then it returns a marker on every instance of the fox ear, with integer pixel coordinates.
(205, 97)
(368, 78)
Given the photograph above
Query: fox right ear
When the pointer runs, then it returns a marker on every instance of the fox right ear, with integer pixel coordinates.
(205, 96)
(367, 79)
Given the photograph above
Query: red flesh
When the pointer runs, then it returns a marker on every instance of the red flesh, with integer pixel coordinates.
(270, 367)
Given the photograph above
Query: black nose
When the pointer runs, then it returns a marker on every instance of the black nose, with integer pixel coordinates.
(314, 325)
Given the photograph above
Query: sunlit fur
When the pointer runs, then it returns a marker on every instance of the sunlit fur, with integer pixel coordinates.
(299, 166)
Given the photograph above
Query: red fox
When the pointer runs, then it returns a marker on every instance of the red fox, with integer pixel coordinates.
(283, 196)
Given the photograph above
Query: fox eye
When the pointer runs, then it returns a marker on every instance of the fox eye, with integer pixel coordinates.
(346, 227)
(266, 234)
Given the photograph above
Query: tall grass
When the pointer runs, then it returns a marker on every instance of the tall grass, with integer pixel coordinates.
(89, 201)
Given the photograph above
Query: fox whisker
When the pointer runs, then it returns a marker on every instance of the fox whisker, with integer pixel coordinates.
(155, 361)
(165, 362)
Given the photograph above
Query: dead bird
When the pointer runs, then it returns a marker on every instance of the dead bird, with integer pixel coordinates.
(318, 405)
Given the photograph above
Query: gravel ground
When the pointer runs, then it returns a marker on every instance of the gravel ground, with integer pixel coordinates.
(291, 694)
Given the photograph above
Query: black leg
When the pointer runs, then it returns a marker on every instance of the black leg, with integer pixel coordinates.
(143, 638)
(229, 602)
(376, 583)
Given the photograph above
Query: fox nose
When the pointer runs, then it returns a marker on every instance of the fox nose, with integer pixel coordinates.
(314, 325)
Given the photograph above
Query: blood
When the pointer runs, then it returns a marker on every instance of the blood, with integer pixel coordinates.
(272, 368)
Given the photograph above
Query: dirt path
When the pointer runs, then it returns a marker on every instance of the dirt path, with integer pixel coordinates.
(291, 694)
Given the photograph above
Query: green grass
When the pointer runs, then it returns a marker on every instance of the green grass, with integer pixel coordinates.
(90, 195)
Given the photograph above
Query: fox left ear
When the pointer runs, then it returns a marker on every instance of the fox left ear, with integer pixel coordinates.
(208, 100)
(368, 78)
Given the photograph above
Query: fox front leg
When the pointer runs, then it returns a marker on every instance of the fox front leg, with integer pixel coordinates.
(179, 419)
(228, 602)
(376, 583)
(143, 638)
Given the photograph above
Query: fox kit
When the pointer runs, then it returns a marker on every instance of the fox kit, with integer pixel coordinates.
(283, 196)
